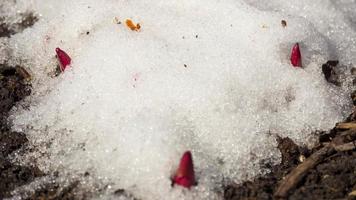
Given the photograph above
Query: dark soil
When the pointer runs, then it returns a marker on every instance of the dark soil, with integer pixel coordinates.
(333, 178)
(6, 30)
(13, 88)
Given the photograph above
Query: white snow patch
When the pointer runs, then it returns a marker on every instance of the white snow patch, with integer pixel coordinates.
(129, 107)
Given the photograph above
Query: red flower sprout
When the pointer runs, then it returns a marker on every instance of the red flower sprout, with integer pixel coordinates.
(185, 174)
(63, 58)
(296, 57)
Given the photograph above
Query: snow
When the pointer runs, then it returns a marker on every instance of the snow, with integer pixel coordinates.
(213, 77)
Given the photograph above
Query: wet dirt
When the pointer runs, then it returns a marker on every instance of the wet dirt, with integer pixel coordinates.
(13, 89)
(333, 178)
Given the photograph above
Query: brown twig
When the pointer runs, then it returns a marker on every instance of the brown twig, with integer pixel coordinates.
(353, 193)
(346, 147)
(339, 143)
(346, 125)
(293, 178)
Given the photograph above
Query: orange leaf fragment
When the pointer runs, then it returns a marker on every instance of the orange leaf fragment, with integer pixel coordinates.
(132, 26)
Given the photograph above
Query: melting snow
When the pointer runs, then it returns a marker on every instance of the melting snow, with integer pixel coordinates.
(209, 76)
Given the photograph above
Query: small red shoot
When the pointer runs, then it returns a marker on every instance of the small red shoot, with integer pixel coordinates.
(185, 174)
(63, 58)
(296, 57)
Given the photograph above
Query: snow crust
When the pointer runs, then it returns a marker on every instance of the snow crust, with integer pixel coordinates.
(209, 76)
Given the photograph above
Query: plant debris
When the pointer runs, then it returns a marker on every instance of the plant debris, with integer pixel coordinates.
(284, 23)
(330, 73)
(132, 26)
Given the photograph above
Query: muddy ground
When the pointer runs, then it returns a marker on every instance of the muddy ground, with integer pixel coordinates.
(12, 89)
(332, 177)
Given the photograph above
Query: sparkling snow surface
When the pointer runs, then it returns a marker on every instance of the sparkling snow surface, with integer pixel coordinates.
(209, 76)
